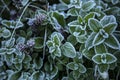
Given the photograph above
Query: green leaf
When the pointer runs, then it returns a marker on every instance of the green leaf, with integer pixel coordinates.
(2, 51)
(60, 18)
(11, 50)
(100, 49)
(37, 75)
(97, 59)
(88, 53)
(20, 40)
(79, 18)
(72, 66)
(89, 41)
(6, 23)
(18, 66)
(27, 59)
(72, 39)
(76, 74)
(103, 33)
(56, 40)
(110, 58)
(57, 51)
(73, 23)
(12, 24)
(82, 68)
(98, 40)
(73, 12)
(117, 55)
(68, 50)
(110, 28)
(6, 33)
(54, 72)
(10, 43)
(52, 49)
(88, 16)
(24, 76)
(81, 38)
(112, 42)
(38, 43)
(15, 76)
(94, 25)
(103, 68)
(60, 36)
(88, 5)
(107, 19)
(49, 43)
(38, 62)
(75, 3)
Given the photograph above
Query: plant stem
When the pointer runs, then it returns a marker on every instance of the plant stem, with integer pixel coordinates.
(44, 44)
(19, 20)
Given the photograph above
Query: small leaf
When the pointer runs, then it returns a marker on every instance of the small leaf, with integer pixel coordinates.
(6, 23)
(103, 33)
(15, 76)
(3, 51)
(97, 59)
(108, 19)
(98, 39)
(6, 33)
(88, 5)
(88, 53)
(12, 24)
(103, 68)
(81, 39)
(37, 75)
(27, 59)
(60, 18)
(82, 68)
(110, 28)
(75, 3)
(72, 66)
(110, 58)
(89, 41)
(72, 39)
(76, 74)
(20, 40)
(100, 49)
(11, 50)
(56, 40)
(73, 23)
(60, 36)
(94, 25)
(54, 72)
(57, 52)
(73, 12)
(10, 43)
(52, 49)
(49, 43)
(88, 16)
(38, 62)
(38, 43)
(68, 50)
(18, 66)
(112, 42)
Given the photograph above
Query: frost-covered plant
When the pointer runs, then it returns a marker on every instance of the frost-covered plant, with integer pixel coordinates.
(59, 39)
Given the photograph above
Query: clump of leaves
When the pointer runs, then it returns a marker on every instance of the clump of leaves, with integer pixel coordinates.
(59, 40)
